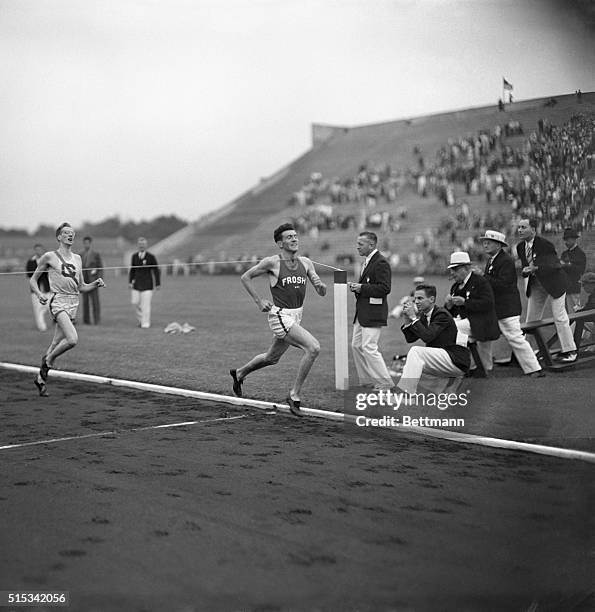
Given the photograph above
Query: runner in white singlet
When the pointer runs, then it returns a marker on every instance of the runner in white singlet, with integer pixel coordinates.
(64, 270)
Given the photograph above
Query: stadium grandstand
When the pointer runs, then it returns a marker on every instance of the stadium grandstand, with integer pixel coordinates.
(428, 185)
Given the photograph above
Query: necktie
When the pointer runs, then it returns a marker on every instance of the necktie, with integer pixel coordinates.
(529, 253)
(361, 272)
(424, 320)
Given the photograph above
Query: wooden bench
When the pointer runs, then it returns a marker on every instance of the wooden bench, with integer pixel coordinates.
(547, 353)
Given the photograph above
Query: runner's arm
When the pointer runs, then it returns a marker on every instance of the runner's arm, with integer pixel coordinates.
(265, 266)
(86, 287)
(318, 285)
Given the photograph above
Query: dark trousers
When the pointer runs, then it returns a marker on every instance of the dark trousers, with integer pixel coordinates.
(91, 302)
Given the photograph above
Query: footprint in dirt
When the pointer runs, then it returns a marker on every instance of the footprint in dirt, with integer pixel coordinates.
(160, 533)
(310, 559)
(294, 517)
(192, 526)
(98, 520)
(93, 540)
(72, 552)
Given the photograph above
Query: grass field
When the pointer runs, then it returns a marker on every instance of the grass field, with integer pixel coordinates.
(229, 331)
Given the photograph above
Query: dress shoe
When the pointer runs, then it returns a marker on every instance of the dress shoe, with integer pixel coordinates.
(537, 374)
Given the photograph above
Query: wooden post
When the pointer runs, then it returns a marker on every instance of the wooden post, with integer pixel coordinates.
(341, 341)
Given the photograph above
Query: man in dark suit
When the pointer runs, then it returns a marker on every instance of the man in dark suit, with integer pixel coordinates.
(500, 272)
(545, 280)
(574, 263)
(92, 270)
(471, 303)
(441, 356)
(39, 310)
(371, 313)
(144, 276)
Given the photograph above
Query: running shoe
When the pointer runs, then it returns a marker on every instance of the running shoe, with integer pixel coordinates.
(294, 406)
(41, 387)
(44, 369)
(237, 384)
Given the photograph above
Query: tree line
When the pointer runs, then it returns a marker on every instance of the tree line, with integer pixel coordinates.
(112, 227)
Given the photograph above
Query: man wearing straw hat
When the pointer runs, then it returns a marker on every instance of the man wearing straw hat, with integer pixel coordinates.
(471, 303)
(500, 272)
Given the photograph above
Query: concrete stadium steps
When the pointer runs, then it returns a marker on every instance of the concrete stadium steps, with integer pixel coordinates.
(341, 155)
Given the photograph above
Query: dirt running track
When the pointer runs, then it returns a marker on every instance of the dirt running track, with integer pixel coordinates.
(269, 512)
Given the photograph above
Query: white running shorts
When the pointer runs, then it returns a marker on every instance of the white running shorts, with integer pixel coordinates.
(281, 320)
(62, 302)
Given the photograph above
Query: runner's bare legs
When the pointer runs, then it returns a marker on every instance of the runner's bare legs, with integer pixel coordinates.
(298, 337)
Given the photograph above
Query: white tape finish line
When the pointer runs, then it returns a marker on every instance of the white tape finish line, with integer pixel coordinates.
(539, 449)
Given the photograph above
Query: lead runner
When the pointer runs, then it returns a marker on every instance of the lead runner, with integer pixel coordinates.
(64, 270)
(287, 274)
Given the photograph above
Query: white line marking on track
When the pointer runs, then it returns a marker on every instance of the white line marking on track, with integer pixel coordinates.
(552, 451)
(98, 434)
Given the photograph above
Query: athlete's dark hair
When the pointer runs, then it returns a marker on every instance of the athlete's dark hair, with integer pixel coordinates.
(532, 222)
(61, 227)
(429, 290)
(371, 236)
(277, 234)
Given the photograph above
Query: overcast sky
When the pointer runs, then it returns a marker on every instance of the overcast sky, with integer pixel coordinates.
(149, 107)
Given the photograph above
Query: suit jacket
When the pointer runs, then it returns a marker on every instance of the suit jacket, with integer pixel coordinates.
(144, 274)
(578, 263)
(502, 276)
(479, 307)
(92, 265)
(371, 306)
(549, 273)
(441, 332)
(43, 281)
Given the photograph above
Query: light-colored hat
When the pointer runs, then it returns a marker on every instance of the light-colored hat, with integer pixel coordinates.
(495, 236)
(588, 277)
(418, 280)
(459, 258)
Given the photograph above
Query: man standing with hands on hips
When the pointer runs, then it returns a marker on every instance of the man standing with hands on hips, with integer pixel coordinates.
(371, 313)
(144, 276)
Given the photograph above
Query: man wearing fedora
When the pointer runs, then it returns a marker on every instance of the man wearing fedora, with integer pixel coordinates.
(545, 279)
(500, 272)
(574, 263)
(471, 303)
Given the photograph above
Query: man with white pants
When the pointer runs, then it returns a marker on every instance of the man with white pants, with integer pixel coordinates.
(546, 280)
(442, 356)
(144, 276)
(371, 313)
(500, 272)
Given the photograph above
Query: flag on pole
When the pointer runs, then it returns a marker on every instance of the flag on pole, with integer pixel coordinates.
(506, 85)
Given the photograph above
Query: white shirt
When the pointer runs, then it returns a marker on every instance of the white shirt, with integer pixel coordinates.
(367, 260)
